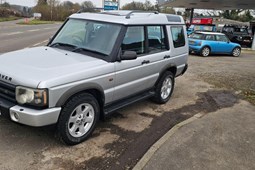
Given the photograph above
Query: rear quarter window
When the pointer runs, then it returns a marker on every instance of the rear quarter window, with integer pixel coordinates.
(178, 36)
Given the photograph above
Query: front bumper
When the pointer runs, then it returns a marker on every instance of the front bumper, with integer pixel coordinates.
(193, 48)
(28, 116)
(34, 117)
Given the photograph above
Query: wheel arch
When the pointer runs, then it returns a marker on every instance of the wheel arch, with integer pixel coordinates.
(170, 67)
(206, 46)
(95, 91)
(231, 53)
(201, 50)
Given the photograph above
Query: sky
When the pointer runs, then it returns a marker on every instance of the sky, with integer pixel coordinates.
(98, 3)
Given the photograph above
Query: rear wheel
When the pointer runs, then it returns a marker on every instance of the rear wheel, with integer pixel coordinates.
(78, 119)
(236, 52)
(205, 51)
(164, 88)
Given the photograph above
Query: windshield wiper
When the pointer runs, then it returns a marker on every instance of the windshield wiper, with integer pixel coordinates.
(89, 50)
(62, 44)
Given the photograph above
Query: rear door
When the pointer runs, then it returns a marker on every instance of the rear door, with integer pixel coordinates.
(210, 40)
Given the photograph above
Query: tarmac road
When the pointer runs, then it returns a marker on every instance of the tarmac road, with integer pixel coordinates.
(14, 37)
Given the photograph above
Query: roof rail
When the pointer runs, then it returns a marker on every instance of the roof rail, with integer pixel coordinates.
(109, 13)
(131, 12)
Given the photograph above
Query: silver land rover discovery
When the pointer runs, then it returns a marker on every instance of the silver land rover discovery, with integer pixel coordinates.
(95, 64)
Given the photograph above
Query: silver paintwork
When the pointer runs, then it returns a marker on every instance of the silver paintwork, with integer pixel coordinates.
(138, 18)
(34, 117)
(65, 73)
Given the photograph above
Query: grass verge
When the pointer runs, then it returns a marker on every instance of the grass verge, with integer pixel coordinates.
(11, 18)
(249, 95)
(35, 22)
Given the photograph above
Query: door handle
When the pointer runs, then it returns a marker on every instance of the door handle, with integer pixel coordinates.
(145, 62)
(167, 56)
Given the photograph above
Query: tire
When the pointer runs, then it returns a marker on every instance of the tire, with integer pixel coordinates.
(236, 52)
(205, 51)
(164, 88)
(78, 119)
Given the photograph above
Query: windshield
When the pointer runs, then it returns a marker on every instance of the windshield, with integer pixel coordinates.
(94, 36)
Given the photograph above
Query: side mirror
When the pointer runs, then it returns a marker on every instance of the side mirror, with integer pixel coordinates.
(129, 55)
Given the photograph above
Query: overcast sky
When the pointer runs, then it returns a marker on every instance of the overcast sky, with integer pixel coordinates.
(98, 3)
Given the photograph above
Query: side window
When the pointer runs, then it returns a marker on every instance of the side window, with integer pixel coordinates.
(156, 39)
(178, 36)
(209, 37)
(222, 38)
(134, 40)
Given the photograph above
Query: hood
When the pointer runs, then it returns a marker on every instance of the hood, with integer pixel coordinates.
(46, 67)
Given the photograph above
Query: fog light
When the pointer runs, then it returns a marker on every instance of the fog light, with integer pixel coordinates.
(14, 116)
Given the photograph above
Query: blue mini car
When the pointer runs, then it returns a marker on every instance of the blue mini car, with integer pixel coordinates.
(206, 43)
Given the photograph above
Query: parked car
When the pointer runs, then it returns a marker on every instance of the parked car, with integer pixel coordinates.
(206, 43)
(95, 64)
(238, 34)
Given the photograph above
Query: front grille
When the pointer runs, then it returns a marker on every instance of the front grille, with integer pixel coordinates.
(7, 91)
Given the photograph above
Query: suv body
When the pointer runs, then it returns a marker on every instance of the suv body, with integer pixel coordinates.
(238, 34)
(94, 64)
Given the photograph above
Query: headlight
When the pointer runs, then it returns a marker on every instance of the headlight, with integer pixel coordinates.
(35, 97)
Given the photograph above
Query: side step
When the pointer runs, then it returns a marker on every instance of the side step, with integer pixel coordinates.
(125, 102)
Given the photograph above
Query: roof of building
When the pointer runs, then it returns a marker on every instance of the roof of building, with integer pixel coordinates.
(131, 17)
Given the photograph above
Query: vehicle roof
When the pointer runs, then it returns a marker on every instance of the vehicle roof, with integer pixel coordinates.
(131, 17)
(211, 33)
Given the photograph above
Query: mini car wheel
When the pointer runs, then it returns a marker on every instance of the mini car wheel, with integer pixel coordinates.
(236, 52)
(78, 119)
(205, 51)
(164, 88)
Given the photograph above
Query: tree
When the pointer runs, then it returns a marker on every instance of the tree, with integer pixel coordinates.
(68, 4)
(133, 6)
(246, 17)
(41, 2)
(237, 15)
(167, 10)
(146, 6)
(88, 6)
(6, 5)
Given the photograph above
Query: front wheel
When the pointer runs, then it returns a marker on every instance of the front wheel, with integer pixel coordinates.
(164, 88)
(205, 51)
(236, 52)
(78, 119)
